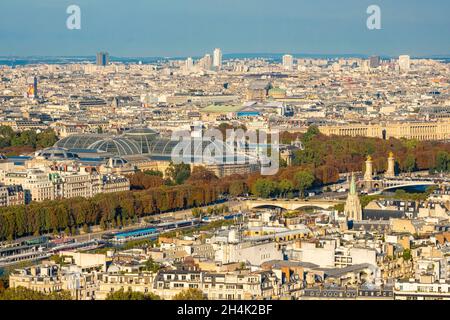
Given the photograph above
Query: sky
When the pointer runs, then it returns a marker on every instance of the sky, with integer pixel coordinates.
(178, 28)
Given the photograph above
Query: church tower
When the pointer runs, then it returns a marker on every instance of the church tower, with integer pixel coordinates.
(352, 208)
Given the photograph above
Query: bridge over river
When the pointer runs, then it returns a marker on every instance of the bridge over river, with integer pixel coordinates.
(293, 204)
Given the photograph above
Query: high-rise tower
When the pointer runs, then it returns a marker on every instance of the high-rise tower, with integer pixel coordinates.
(32, 91)
(217, 59)
(404, 63)
(374, 61)
(102, 59)
(189, 64)
(206, 62)
(288, 62)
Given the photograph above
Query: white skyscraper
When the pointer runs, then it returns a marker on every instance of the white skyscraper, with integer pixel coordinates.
(404, 62)
(206, 62)
(288, 62)
(217, 62)
(189, 64)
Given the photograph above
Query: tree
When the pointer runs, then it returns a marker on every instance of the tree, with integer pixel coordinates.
(178, 173)
(145, 180)
(237, 188)
(131, 295)
(202, 175)
(3, 284)
(106, 210)
(58, 259)
(197, 212)
(264, 188)
(25, 138)
(86, 228)
(442, 161)
(46, 138)
(151, 265)
(303, 180)
(285, 186)
(407, 254)
(103, 224)
(21, 293)
(409, 164)
(312, 132)
(190, 294)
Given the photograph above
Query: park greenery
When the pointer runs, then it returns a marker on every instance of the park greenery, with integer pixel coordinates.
(347, 154)
(13, 141)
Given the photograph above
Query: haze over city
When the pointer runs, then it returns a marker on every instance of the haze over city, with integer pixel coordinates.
(189, 28)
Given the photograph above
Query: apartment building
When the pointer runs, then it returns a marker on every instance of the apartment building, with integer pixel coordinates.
(329, 253)
(43, 184)
(11, 195)
(215, 286)
(48, 278)
(424, 288)
(115, 281)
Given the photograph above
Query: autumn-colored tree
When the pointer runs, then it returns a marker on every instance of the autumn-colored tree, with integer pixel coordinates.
(21, 293)
(131, 295)
(190, 294)
(202, 175)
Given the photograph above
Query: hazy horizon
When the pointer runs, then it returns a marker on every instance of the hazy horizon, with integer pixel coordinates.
(230, 56)
(180, 28)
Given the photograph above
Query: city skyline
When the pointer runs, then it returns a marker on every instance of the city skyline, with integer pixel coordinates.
(190, 29)
(224, 150)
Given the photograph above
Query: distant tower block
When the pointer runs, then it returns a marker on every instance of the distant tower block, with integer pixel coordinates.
(368, 174)
(390, 173)
(32, 87)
